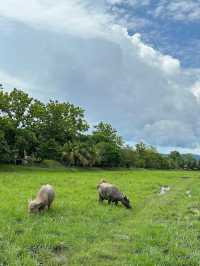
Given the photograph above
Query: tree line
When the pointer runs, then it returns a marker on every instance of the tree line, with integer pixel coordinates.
(32, 131)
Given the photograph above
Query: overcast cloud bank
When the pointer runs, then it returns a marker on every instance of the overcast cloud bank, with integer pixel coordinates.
(74, 50)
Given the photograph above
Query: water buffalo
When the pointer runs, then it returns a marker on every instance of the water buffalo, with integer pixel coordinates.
(43, 200)
(111, 193)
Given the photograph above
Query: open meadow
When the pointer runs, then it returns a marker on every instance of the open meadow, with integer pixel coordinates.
(158, 230)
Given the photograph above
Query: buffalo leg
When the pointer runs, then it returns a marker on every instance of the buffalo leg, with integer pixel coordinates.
(100, 199)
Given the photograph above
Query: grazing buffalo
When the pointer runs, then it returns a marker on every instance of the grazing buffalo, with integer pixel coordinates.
(111, 193)
(43, 200)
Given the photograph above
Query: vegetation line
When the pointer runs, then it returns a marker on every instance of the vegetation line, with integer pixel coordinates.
(57, 132)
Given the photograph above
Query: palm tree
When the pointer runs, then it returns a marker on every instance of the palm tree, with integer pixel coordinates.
(80, 154)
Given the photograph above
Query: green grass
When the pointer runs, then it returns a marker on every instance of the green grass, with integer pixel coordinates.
(159, 230)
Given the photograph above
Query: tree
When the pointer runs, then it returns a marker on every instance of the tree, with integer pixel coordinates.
(104, 132)
(108, 145)
(63, 121)
(128, 157)
(4, 148)
(31, 127)
(189, 162)
(109, 153)
(176, 160)
(80, 153)
(14, 110)
(141, 148)
(152, 158)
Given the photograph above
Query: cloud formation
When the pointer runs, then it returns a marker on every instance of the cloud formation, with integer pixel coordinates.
(75, 17)
(73, 50)
(182, 10)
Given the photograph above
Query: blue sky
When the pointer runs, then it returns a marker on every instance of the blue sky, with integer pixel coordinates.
(174, 30)
(135, 64)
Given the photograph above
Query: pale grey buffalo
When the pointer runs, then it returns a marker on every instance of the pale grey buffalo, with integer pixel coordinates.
(43, 200)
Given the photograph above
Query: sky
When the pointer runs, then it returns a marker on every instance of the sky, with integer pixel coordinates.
(132, 63)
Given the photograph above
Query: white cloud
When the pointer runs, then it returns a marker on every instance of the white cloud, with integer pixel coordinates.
(152, 57)
(196, 90)
(129, 2)
(115, 2)
(182, 10)
(163, 133)
(75, 17)
(11, 81)
(91, 62)
(124, 13)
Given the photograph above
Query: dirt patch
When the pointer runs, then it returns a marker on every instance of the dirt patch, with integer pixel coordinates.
(60, 254)
(61, 248)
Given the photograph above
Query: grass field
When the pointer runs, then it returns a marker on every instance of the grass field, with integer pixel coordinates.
(159, 230)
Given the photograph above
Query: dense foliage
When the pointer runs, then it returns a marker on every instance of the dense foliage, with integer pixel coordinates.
(31, 131)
